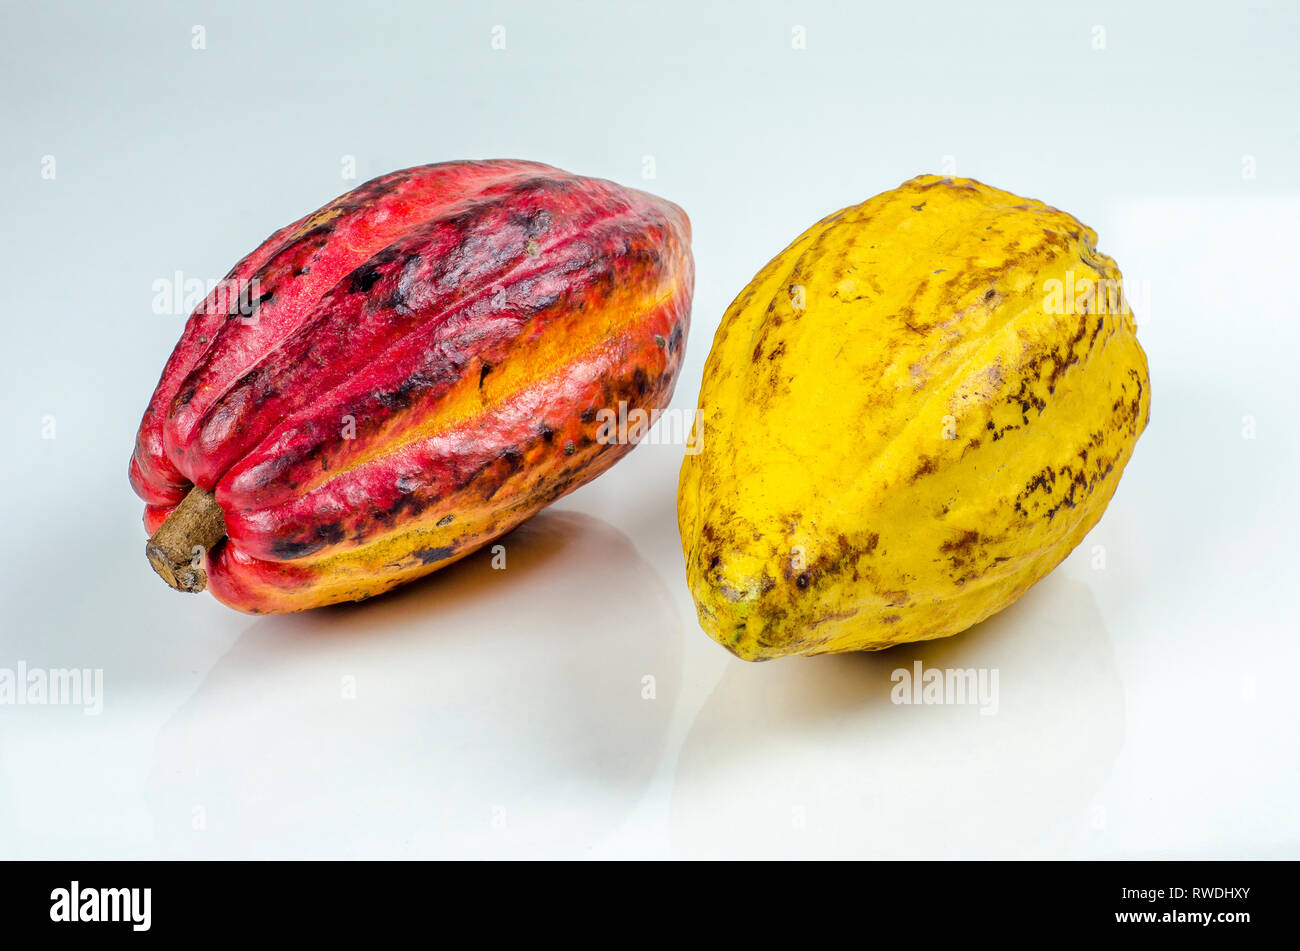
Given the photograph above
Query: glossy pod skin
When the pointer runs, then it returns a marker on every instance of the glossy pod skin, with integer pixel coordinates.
(912, 414)
(412, 371)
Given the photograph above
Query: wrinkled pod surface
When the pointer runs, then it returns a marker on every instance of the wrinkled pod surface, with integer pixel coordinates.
(910, 415)
(404, 375)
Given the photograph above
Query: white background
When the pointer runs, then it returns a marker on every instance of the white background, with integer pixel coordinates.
(1147, 708)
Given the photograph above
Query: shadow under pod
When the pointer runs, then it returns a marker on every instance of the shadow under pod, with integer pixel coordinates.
(810, 756)
(474, 713)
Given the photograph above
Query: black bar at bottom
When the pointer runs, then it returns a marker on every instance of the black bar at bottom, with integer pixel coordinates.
(1222, 900)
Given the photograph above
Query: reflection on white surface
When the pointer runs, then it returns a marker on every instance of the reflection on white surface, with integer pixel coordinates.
(814, 753)
(494, 712)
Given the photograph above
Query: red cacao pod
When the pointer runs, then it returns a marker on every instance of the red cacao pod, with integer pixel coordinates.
(397, 379)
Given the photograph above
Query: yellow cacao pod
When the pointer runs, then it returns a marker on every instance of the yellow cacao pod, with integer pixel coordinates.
(909, 416)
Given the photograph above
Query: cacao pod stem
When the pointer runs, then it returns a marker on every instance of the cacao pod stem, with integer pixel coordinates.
(176, 550)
